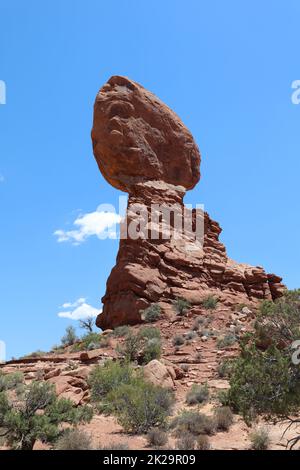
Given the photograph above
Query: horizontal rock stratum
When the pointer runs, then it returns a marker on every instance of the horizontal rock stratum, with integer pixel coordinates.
(143, 148)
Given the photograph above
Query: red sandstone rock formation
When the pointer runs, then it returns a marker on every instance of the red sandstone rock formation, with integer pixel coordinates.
(143, 148)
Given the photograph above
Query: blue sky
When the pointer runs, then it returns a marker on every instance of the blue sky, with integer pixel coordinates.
(225, 67)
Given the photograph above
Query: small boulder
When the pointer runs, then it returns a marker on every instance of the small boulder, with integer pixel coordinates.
(158, 374)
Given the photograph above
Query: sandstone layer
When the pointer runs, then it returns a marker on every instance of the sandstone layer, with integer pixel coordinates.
(143, 148)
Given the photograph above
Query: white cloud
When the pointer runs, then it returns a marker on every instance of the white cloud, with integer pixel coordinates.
(78, 302)
(101, 223)
(80, 310)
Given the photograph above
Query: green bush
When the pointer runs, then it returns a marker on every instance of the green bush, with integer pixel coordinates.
(178, 340)
(151, 314)
(70, 336)
(210, 302)
(193, 423)
(151, 350)
(223, 418)
(264, 383)
(260, 439)
(106, 378)
(140, 406)
(90, 338)
(149, 332)
(121, 331)
(37, 414)
(157, 437)
(226, 341)
(198, 394)
(265, 380)
(225, 368)
(74, 439)
(10, 381)
(132, 347)
(181, 306)
(190, 335)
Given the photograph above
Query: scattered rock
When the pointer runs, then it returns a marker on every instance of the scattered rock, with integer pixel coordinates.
(158, 374)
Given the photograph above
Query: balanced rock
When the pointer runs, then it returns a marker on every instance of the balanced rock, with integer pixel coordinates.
(144, 149)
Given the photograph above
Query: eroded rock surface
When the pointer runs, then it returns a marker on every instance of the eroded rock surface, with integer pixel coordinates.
(143, 148)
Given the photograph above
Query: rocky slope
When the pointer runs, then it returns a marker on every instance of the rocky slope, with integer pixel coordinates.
(196, 361)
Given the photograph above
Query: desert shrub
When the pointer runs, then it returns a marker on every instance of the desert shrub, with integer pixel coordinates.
(225, 368)
(131, 348)
(181, 306)
(121, 331)
(190, 335)
(140, 405)
(10, 381)
(37, 414)
(260, 439)
(37, 353)
(202, 443)
(115, 446)
(226, 341)
(70, 336)
(151, 350)
(74, 439)
(201, 321)
(185, 367)
(210, 302)
(265, 379)
(152, 313)
(264, 383)
(157, 437)
(178, 340)
(198, 356)
(197, 394)
(149, 332)
(194, 423)
(223, 418)
(104, 379)
(186, 442)
(90, 338)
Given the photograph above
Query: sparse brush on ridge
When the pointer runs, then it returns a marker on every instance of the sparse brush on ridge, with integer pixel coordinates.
(226, 341)
(151, 314)
(121, 331)
(178, 340)
(197, 394)
(181, 306)
(210, 302)
(69, 337)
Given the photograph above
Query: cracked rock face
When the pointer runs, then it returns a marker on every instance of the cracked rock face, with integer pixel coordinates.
(143, 148)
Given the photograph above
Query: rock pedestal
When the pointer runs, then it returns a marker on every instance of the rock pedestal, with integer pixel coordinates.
(143, 148)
